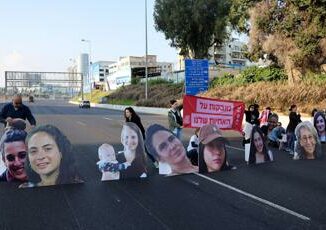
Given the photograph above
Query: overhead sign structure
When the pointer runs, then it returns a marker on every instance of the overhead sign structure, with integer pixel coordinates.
(199, 111)
(196, 76)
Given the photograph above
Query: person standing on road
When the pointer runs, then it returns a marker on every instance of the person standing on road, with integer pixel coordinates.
(16, 109)
(295, 119)
(131, 116)
(175, 119)
(14, 154)
(308, 146)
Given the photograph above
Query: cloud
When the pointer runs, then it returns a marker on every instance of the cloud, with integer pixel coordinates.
(16, 61)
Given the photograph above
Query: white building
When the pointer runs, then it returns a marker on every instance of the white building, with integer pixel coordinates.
(99, 72)
(231, 54)
(126, 68)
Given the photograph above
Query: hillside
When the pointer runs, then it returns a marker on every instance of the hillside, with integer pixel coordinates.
(266, 91)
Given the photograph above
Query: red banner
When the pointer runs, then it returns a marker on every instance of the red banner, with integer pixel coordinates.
(199, 111)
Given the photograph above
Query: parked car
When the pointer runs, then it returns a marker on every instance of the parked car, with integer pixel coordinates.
(85, 104)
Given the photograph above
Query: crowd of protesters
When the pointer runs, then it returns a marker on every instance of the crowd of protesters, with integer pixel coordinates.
(44, 156)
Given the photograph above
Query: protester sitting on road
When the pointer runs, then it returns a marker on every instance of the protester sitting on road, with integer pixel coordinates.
(50, 158)
(108, 164)
(275, 137)
(167, 148)
(16, 109)
(133, 152)
(320, 125)
(308, 146)
(272, 123)
(212, 150)
(258, 150)
(192, 149)
(14, 153)
(131, 116)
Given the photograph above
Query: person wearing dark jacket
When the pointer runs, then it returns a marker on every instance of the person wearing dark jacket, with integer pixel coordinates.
(16, 109)
(295, 119)
(131, 116)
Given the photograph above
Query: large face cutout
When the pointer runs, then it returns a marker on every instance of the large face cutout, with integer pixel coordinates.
(308, 142)
(129, 138)
(14, 159)
(258, 142)
(214, 155)
(320, 124)
(169, 148)
(44, 154)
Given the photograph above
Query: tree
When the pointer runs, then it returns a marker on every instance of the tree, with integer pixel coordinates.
(193, 26)
(291, 32)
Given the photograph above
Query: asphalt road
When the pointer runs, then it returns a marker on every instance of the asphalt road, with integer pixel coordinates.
(285, 194)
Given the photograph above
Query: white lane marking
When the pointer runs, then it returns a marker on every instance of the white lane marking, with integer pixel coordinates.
(276, 206)
(81, 123)
(107, 118)
(234, 148)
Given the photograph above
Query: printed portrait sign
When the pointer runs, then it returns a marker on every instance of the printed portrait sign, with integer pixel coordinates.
(129, 163)
(13, 154)
(50, 158)
(199, 111)
(212, 155)
(168, 150)
(308, 145)
(258, 152)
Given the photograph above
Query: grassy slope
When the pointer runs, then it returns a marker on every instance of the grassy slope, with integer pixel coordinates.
(278, 95)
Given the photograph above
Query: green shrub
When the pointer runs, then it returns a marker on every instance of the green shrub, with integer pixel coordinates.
(135, 80)
(255, 74)
(158, 82)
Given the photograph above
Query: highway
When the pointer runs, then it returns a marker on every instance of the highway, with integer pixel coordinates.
(285, 194)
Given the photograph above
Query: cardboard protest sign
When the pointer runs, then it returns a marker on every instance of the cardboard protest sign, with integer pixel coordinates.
(50, 158)
(199, 111)
(212, 155)
(129, 163)
(258, 151)
(168, 150)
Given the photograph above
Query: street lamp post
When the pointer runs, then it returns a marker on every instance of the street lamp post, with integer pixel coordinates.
(146, 53)
(89, 63)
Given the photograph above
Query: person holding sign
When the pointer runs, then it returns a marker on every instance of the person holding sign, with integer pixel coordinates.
(212, 150)
(167, 148)
(50, 158)
(258, 150)
(308, 146)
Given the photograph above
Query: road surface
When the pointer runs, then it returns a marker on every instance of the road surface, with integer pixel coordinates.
(285, 194)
